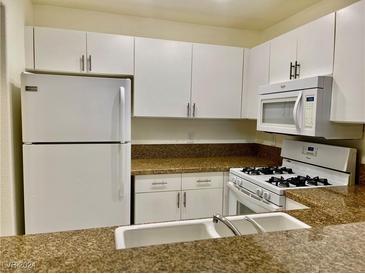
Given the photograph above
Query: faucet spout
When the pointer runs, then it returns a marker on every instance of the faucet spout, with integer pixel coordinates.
(256, 225)
(218, 217)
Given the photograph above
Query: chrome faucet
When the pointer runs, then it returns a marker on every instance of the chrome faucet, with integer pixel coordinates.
(258, 227)
(218, 217)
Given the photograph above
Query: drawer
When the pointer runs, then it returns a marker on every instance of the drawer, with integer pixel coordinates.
(202, 180)
(153, 183)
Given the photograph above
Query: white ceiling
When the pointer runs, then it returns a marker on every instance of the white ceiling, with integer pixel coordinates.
(243, 14)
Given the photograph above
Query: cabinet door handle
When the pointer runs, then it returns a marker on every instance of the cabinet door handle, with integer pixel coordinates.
(178, 200)
(184, 199)
(188, 110)
(82, 62)
(89, 62)
(194, 110)
(204, 181)
(297, 70)
(159, 183)
(291, 76)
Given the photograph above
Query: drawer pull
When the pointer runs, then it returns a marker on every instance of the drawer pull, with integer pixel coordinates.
(159, 183)
(204, 181)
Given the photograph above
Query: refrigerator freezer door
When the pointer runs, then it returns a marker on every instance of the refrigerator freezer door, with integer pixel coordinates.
(60, 108)
(76, 186)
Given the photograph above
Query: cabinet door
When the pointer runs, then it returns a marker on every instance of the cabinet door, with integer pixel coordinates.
(316, 47)
(109, 53)
(157, 207)
(217, 81)
(201, 203)
(162, 78)
(59, 50)
(283, 50)
(348, 94)
(29, 50)
(256, 73)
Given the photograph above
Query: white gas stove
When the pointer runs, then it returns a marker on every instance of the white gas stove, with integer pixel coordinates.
(305, 165)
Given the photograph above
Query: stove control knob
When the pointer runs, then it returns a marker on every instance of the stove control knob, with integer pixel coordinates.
(267, 196)
(234, 180)
(240, 182)
(259, 192)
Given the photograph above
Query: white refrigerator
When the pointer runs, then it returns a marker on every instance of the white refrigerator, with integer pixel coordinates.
(76, 152)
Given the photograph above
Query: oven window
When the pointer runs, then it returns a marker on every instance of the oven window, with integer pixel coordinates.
(278, 113)
(243, 210)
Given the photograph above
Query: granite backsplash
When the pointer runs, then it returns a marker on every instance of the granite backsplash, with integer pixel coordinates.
(204, 150)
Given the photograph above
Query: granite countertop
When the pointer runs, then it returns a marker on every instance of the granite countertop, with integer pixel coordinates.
(333, 244)
(195, 164)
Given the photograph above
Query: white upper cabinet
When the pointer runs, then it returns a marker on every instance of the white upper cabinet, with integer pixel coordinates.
(80, 52)
(316, 47)
(28, 47)
(110, 53)
(59, 50)
(348, 94)
(162, 78)
(282, 57)
(304, 52)
(257, 70)
(216, 81)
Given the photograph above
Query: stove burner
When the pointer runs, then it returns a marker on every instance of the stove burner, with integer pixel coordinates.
(298, 181)
(316, 181)
(251, 170)
(267, 170)
(278, 181)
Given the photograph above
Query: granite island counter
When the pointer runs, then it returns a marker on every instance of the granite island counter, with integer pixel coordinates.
(335, 243)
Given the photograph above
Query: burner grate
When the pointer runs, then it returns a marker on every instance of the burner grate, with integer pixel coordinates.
(266, 170)
(298, 181)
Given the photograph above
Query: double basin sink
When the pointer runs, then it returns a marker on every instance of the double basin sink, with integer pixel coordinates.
(202, 229)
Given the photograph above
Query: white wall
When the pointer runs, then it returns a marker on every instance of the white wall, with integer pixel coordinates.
(157, 131)
(17, 14)
(60, 17)
(311, 13)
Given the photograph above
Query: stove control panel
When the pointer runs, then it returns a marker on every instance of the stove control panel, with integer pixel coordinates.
(310, 150)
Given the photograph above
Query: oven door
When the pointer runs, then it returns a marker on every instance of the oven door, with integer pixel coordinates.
(281, 112)
(243, 202)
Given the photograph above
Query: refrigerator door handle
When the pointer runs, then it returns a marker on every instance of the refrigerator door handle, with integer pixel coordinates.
(125, 114)
(125, 169)
(122, 114)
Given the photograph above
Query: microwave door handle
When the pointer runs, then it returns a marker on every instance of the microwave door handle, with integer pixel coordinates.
(296, 109)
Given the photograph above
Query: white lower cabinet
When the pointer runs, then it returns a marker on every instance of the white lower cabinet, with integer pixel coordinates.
(201, 203)
(157, 207)
(161, 198)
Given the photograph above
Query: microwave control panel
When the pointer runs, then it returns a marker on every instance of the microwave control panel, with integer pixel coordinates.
(309, 108)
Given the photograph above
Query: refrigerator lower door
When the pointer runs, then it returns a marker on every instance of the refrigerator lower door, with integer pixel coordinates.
(76, 186)
(61, 108)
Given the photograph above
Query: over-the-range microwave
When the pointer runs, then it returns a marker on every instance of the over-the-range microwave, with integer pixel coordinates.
(302, 107)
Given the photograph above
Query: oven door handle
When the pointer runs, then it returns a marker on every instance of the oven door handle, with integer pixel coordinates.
(296, 109)
(241, 196)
